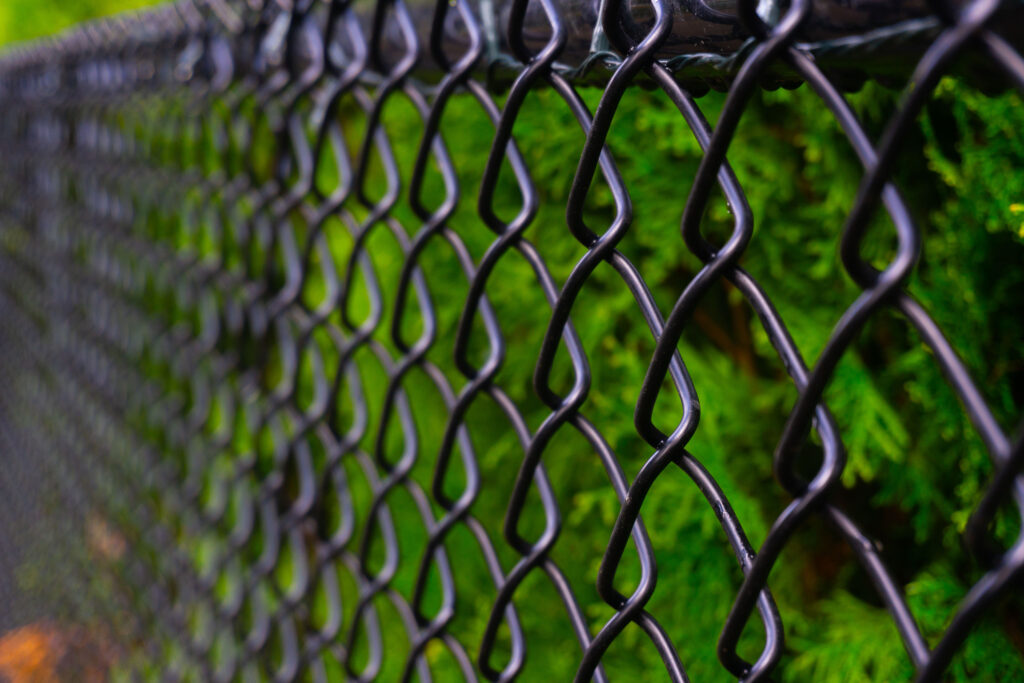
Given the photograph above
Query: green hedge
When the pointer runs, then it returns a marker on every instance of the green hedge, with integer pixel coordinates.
(916, 469)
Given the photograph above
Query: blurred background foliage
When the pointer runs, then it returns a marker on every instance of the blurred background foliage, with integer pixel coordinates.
(27, 19)
(916, 468)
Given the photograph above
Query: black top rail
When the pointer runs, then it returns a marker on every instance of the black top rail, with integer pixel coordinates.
(706, 41)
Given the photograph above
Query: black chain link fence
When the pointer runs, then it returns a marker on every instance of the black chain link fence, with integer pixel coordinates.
(222, 419)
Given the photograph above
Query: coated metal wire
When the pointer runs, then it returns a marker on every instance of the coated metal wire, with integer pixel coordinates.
(175, 395)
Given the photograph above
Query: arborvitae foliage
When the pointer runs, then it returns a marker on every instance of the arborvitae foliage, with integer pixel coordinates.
(916, 468)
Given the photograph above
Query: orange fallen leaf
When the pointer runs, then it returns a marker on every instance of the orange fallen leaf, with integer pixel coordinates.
(46, 653)
(27, 655)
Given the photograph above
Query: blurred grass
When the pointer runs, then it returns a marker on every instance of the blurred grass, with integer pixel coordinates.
(22, 20)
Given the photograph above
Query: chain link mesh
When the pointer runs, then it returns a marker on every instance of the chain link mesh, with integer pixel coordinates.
(228, 434)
